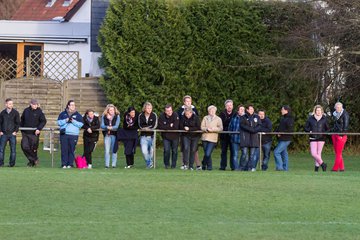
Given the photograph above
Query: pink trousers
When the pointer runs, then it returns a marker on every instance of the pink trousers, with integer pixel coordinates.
(316, 149)
(338, 143)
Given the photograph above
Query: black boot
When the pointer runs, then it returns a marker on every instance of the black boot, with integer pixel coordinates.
(316, 168)
(324, 166)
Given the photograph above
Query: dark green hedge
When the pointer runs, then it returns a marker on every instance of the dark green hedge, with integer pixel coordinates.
(159, 51)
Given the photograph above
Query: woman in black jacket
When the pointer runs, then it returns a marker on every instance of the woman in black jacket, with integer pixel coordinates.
(90, 135)
(129, 135)
(317, 123)
(341, 125)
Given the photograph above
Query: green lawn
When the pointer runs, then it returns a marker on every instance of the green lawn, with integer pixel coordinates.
(55, 203)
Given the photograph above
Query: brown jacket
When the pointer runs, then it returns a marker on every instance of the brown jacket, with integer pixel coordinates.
(216, 124)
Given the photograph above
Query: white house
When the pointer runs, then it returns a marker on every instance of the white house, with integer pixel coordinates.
(55, 26)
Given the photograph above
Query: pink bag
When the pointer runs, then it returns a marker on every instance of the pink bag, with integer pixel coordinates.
(80, 162)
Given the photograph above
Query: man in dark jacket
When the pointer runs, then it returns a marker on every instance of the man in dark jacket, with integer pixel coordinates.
(169, 120)
(32, 117)
(266, 140)
(9, 126)
(90, 135)
(280, 152)
(226, 117)
(249, 143)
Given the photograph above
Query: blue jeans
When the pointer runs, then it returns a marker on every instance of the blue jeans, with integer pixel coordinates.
(208, 149)
(248, 162)
(147, 149)
(109, 143)
(170, 146)
(190, 146)
(235, 155)
(68, 144)
(281, 156)
(12, 140)
(225, 145)
(266, 148)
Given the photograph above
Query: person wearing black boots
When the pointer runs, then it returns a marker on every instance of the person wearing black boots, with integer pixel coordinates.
(129, 135)
(90, 135)
(317, 123)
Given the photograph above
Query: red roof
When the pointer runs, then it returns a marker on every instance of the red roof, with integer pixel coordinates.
(36, 10)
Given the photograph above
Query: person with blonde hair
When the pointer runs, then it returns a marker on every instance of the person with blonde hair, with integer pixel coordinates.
(110, 121)
(341, 125)
(317, 123)
(147, 121)
(211, 125)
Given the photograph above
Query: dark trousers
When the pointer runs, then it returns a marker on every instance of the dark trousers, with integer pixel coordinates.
(68, 144)
(29, 145)
(190, 146)
(89, 146)
(225, 145)
(208, 149)
(129, 160)
(129, 150)
(170, 148)
(12, 141)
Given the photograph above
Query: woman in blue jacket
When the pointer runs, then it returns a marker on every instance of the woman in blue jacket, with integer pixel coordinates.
(70, 122)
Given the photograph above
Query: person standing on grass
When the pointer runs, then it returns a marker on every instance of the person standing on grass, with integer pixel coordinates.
(280, 152)
(235, 138)
(187, 102)
(341, 125)
(91, 134)
(9, 124)
(317, 122)
(32, 117)
(225, 140)
(147, 121)
(250, 126)
(211, 125)
(110, 121)
(70, 122)
(190, 122)
(129, 135)
(169, 120)
(266, 140)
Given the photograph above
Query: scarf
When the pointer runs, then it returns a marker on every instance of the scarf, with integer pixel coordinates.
(317, 117)
(129, 120)
(337, 115)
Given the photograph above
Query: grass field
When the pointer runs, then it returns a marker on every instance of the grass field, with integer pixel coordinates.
(55, 203)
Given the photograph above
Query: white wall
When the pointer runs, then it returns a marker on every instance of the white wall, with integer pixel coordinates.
(83, 14)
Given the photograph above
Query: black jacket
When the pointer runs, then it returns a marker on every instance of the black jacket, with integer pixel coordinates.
(286, 125)
(226, 119)
(193, 123)
(266, 126)
(32, 118)
(94, 125)
(341, 124)
(150, 123)
(9, 122)
(250, 126)
(313, 125)
(130, 127)
(165, 124)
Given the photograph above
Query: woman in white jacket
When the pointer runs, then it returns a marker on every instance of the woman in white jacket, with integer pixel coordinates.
(211, 125)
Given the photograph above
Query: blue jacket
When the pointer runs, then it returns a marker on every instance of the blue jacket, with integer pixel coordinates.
(70, 128)
(235, 127)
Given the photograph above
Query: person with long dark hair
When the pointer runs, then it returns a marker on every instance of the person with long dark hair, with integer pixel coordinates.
(70, 122)
(129, 135)
(90, 135)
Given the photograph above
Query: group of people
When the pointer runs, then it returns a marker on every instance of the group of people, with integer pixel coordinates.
(178, 128)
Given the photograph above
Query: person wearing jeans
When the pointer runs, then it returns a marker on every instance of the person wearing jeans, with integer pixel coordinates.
(280, 152)
(341, 125)
(317, 123)
(147, 121)
(9, 126)
(110, 122)
(225, 139)
(169, 120)
(266, 139)
(234, 126)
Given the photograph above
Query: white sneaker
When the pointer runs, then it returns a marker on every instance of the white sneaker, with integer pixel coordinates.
(183, 167)
(253, 169)
(64, 167)
(69, 166)
(89, 166)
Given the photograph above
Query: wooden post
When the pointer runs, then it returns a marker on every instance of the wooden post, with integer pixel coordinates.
(154, 147)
